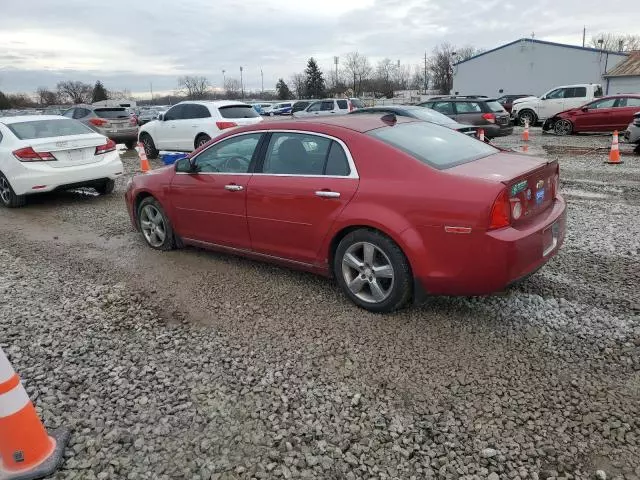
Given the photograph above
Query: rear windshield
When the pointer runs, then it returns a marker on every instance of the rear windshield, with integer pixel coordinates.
(112, 112)
(238, 111)
(357, 103)
(429, 115)
(48, 128)
(495, 106)
(433, 144)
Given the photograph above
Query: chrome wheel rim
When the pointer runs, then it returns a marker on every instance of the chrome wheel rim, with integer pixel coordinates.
(563, 127)
(368, 272)
(5, 191)
(146, 142)
(153, 226)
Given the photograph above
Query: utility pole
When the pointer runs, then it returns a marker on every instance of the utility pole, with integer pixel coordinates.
(241, 83)
(336, 60)
(262, 81)
(151, 88)
(584, 34)
(224, 80)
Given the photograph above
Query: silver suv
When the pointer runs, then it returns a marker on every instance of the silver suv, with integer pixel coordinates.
(115, 123)
(328, 106)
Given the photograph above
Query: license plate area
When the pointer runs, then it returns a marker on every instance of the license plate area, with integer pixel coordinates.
(550, 235)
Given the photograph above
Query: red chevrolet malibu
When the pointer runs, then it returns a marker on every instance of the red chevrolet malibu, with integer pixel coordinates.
(393, 208)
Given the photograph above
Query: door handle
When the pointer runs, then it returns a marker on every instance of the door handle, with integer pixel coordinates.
(327, 194)
(234, 188)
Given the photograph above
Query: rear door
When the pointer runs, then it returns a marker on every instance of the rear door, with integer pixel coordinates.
(469, 112)
(327, 107)
(444, 107)
(575, 97)
(624, 111)
(303, 184)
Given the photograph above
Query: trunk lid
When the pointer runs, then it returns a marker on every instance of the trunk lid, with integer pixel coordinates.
(527, 179)
(70, 151)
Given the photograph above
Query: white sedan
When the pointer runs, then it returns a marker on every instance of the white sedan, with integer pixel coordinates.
(41, 153)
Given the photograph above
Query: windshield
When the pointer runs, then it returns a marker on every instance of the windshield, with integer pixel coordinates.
(112, 112)
(428, 115)
(238, 111)
(433, 144)
(48, 128)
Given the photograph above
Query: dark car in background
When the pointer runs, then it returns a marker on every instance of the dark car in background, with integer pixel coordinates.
(115, 123)
(481, 112)
(420, 113)
(507, 100)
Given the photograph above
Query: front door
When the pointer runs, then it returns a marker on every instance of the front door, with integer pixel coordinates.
(209, 205)
(597, 116)
(624, 111)
(166, 133)
(551, 103)
(302, 186)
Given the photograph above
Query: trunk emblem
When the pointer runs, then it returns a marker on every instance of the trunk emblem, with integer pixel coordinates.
(540, 184)
(61, 144)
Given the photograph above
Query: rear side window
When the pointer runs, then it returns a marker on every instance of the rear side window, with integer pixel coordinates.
(337, 163)
(48, 128)
(111, 112)
(495, 107)
(445, 108)
(196, 111)
(80, 112)
(343, 104)
(598, 92)
(631, 102)
(238, 111)
(69, 113)
(575, 92)
(468, 107)
(437, 146)
(327, 106)
(357, 103)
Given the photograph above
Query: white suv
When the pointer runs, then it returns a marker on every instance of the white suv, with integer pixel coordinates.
(329, 106)
(556, 100)
(188, 125)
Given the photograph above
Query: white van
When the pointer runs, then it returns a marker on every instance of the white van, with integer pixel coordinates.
(556, 100)
(116, 103)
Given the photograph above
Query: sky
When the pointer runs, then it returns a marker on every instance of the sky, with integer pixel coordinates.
(136, 44)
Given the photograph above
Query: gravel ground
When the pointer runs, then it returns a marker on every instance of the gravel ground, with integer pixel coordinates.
(195, 365)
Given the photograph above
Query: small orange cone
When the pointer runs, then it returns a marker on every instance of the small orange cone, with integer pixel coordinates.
(614, 153)
(525, 134)
(481, 134)
(26, 450)
(144, 161)
(525, 148)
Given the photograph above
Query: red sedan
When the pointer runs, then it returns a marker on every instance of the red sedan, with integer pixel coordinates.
(602, 115)
(393, 208)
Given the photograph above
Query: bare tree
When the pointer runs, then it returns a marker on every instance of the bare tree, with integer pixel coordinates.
(384, 76)
(418, 81)
(75, 92)
(46, 97)
(233, 88)
(441, 67)
(297, 82)
(615, 42)
(466, 52)
(401, 76)
(358, 68)
(195, 88)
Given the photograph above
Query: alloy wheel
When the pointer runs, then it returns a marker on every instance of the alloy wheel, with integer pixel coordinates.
(153, 226)
(368, 272)
(5, 191)
(563, 127)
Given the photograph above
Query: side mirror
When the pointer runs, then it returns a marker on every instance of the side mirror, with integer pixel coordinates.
(585, 109)
(184, 165)
(161, 117)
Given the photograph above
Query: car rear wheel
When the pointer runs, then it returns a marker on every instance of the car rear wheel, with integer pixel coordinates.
(106, 188)
(149, 147)
(563, 127)
(201, 140)
(7, 196)
(155, 225)
(527, 115)
(373, 271)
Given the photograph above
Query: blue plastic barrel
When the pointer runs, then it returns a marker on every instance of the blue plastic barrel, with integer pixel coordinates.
(171, 158)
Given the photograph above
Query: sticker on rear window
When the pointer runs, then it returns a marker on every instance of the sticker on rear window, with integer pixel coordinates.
(518, 187)
(540, 196)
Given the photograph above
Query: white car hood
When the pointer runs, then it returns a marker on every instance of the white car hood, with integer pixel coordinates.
(524, 99)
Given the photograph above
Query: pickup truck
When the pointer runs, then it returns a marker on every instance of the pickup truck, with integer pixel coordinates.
(556, 100)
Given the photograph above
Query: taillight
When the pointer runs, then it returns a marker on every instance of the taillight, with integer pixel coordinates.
(28, 154)
(489, 117)
(351, 106)
(98, 122)
(500, 212)
(110, 146)
(225, 125)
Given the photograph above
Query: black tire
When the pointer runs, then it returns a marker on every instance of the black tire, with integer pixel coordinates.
(637, 149)
(8, 197)
(106, 188)
(400, 288)
(169, 241)
(149, 147)
(201, 140)
(527, 114)
(563, 127)
(130, 144)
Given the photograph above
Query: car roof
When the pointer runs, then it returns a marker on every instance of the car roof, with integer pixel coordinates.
(358, 123)
(213, 103)
(30, 118)
(470, 98)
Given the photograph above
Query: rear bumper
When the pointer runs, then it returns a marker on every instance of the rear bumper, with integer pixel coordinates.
(492, 131)
(25, 176)
(482, 263)
(632, 134)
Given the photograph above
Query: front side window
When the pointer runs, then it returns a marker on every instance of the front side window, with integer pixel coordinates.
(304, 154)
(606, 103)
(314, 107)
(232, 155)
(174, 113)
(557, 93)
(435, 145)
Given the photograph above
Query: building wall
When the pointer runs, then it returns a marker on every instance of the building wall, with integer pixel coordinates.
(528, 67)
(624, 85)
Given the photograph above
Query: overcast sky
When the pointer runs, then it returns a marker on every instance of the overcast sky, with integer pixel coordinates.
(131, 43)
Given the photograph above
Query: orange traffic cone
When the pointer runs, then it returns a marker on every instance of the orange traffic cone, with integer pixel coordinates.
(614, 153)
(525, 134)
(525, 148)
(26, 451)
(144, 161)
(481, 134)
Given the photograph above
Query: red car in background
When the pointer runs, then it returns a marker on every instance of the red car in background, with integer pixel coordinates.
(392, 208)
(605, 114)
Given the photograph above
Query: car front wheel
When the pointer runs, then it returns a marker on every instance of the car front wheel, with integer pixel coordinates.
(8, 197)
(149, 146)
(563, 127)
(527, 116)
(155, 225)
(373, 271)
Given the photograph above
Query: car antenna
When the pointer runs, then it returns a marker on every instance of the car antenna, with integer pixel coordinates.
(389, 118)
